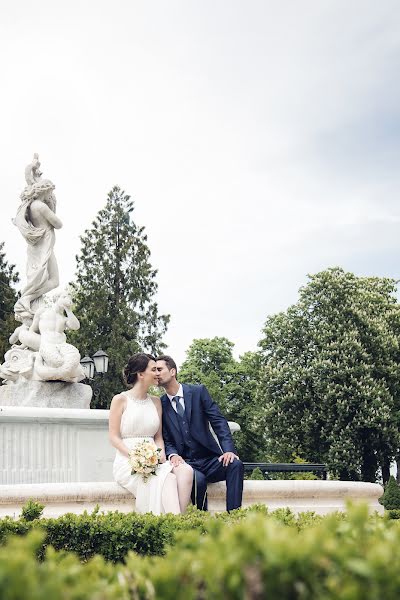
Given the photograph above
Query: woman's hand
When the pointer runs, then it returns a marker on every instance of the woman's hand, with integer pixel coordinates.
(162, 457)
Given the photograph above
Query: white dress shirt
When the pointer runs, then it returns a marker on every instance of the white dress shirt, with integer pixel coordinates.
(180, 394)
(182, 401)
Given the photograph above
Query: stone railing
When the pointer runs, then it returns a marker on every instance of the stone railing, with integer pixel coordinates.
(321, 497)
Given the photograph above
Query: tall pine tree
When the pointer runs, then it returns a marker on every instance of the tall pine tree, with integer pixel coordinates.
(8, 297)
(114, 292)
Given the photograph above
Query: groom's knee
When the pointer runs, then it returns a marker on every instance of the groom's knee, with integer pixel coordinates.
(200, 481)
(236, 467)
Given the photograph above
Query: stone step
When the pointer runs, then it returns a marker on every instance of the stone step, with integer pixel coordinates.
(322, 497)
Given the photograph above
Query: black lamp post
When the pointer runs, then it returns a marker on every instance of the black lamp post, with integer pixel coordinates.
(98, 365)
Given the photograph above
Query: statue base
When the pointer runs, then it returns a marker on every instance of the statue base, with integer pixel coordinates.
(46, 394)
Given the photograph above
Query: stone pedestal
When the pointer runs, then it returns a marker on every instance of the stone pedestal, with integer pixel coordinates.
(46, 394)
(55, 445)
(321, 497)
(44, 445)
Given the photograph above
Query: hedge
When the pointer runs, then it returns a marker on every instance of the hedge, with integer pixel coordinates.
(256, 557)
(114, 534)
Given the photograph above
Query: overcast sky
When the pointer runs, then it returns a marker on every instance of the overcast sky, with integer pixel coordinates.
(260, 141)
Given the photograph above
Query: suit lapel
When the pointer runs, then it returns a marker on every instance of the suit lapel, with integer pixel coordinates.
(170, 413)
(187, 394)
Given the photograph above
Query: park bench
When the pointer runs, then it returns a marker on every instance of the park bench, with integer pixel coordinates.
(266, 468)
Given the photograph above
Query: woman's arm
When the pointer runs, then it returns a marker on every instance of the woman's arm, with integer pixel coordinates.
(158, 438)
(117, 407)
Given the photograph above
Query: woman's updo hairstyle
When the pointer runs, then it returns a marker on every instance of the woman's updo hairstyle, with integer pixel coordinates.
(136, 364)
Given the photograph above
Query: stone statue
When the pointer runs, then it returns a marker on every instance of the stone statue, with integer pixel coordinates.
(36, 220)
(40, 352)
(43, 353)
(56, 359)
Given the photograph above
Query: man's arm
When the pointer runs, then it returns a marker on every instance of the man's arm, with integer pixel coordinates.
(170, 447)
(218, 421)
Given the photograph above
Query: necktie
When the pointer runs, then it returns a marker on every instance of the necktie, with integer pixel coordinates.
(179, 408)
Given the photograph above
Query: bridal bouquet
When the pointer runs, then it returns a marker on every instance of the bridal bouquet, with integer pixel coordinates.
(144, 458)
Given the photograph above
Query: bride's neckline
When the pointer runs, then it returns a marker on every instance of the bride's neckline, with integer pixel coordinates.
(137, 400)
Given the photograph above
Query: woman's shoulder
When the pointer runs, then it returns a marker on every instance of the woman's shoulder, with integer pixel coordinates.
(119, 399)
(156, 400)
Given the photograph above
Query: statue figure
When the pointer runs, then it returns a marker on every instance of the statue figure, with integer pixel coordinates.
(40, 351)
(43, 353)
(56, 359)
(36, 220)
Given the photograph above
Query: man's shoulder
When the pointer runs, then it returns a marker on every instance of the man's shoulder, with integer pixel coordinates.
(193, 386)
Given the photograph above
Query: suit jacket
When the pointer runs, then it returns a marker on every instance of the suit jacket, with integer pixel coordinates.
(200, 411)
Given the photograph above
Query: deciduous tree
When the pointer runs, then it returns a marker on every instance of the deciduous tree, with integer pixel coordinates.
(331, 376)
(232, 384)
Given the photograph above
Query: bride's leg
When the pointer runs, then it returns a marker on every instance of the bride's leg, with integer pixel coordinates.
(169, 496)
(184, 480)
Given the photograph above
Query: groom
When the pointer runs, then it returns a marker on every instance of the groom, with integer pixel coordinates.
(187, 412)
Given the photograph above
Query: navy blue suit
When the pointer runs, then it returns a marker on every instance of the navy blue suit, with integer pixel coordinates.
(191, 438)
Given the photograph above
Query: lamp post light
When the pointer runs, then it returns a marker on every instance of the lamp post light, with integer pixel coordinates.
(98, 365)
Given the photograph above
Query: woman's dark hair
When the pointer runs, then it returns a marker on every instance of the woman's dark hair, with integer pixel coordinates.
(136, 364)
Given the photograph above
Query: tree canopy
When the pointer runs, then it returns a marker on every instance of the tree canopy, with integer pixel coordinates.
(232, 384)
(331, 375)
(114, 292)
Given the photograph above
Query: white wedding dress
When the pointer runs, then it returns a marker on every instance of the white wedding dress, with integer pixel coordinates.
(140, 421)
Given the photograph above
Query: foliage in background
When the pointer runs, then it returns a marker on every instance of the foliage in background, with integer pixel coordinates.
(391, 496)
(8, 297)
(32, 510)
(114, 292)
(232, 384)
(334, 557)
(331, 376)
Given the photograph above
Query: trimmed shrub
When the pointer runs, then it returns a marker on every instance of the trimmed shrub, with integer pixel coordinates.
(258, 556)
(391, 496)
(32, 510)
(257, 474)
(114, 534)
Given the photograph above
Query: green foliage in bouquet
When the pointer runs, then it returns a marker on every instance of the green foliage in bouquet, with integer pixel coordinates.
(391, 497)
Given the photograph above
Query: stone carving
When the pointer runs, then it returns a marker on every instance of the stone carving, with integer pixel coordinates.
(40, 350)
(43, 353)
(36, 220)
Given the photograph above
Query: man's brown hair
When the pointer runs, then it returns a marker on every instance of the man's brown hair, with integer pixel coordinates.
(171, 364)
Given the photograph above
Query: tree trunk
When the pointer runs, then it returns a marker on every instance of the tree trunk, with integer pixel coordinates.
(398, 469)
(369, 465)
(385, 471)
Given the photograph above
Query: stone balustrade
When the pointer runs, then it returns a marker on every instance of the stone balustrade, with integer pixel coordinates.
(322, 497)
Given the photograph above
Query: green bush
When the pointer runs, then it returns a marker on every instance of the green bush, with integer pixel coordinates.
(32, 510)
(258, 556)
(391, 496)
(114, 534)
(257, 474)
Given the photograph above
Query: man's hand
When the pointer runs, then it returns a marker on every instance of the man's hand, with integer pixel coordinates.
(176, 460)
(227, 458)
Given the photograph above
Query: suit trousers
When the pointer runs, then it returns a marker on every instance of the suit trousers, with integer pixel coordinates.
(211, 470)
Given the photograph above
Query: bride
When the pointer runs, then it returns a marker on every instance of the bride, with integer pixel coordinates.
(135, 416)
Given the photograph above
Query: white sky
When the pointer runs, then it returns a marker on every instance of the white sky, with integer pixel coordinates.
(259, 140)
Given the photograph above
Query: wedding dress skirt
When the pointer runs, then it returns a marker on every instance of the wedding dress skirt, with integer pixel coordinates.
(140, 421)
